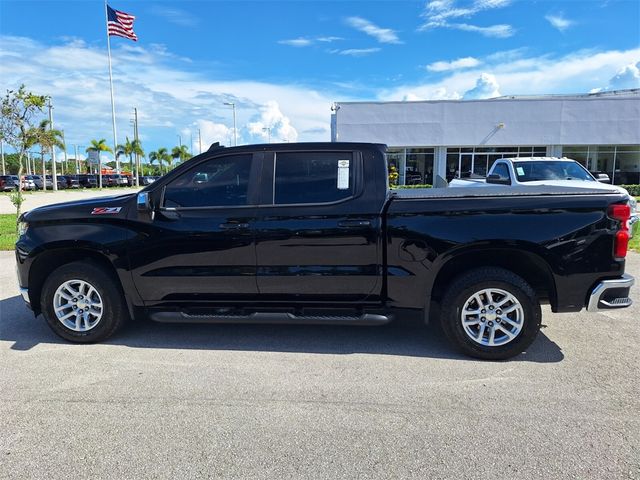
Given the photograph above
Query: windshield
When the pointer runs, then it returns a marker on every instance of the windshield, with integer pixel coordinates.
(535, 171)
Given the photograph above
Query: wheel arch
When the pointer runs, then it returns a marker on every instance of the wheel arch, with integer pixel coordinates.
(534, 269)
(47, 261)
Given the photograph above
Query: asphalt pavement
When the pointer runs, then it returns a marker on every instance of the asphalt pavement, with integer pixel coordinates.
(243, 401)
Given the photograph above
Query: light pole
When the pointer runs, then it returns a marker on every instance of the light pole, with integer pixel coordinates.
(268, 130)
(199, 141)
(66, 165)
(235, 132)
(2, 153)
(77, 160)
(54, 180)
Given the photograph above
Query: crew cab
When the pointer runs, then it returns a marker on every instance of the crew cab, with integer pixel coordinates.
(312, 234)
(535, 171)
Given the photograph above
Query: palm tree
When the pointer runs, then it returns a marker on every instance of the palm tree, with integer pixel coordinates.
(164, 156)
(48, 139)
(180, 153)
(161, 156)
(99, 146)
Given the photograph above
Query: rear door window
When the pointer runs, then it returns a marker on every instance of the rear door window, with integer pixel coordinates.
(313, 177)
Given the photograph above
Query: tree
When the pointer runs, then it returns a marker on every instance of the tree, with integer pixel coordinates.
(99, 146)
(161, 156)
(18, 111)
(180, 153)
(130, 148)
(48, 139)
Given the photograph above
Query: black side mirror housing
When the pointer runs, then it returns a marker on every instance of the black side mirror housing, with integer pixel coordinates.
(496, 179)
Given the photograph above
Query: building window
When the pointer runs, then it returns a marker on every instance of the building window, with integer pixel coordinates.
(419, 167)
(620, 162)
(464, 161)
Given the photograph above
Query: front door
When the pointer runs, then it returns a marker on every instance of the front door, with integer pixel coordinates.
(318, 236)
(200, 246)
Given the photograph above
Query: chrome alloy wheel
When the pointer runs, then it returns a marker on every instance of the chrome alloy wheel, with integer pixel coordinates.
(77, 305)
(492, 317)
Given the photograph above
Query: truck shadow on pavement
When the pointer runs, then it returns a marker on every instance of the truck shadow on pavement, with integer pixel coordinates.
(17, 325)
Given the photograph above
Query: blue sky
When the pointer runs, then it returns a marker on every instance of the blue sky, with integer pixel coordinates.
(284, 63)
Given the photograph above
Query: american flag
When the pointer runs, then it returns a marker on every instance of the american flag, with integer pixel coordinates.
(120, 24)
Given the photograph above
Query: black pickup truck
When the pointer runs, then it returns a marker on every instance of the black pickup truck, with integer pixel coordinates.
(311, 233)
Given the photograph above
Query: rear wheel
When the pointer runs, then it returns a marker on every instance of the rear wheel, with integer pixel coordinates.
(491, 313)
(83, 303)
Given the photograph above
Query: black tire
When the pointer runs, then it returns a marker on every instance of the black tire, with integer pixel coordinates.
(463, 287)
(114, 313)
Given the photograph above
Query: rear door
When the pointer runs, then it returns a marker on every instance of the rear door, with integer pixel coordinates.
(199, 247)
(317, 234)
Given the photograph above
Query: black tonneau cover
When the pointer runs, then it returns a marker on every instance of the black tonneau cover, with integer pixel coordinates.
(497, 191)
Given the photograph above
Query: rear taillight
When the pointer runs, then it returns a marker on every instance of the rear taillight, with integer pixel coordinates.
(621, 213)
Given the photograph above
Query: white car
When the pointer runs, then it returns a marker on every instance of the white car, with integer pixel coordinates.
(559, 172)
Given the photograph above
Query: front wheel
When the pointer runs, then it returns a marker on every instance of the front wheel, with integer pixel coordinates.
(491, 313)
(82, 303)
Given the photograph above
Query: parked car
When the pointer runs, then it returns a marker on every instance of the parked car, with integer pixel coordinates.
(60, 181)
(146, 180)
(120, 180)
(319, 238)
(536, 171)
(87, 181)
(40, 182)
(27, 183)
(8, 183)
(72, 181)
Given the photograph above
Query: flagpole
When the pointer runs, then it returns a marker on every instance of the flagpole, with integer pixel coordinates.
(113, 106)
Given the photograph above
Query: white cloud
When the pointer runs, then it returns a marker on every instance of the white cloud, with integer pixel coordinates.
(271, 118)
(516, 74)
(329, 39)
(559, 22)
(176, 16)
(170, 95)
(486, 87)
(497, 31)
(212, 132)
(443, 66)
(356, 52)
(382, 35)
(627, 77)
(296, 42)
(437, 14)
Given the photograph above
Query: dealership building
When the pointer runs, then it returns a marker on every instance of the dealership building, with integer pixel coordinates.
(446, 137)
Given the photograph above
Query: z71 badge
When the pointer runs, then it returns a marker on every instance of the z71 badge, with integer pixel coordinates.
(105, 210)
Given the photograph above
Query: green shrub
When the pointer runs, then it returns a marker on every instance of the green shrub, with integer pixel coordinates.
(426, 185)
(632, 189)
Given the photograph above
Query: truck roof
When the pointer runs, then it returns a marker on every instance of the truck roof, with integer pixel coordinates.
(555, 159)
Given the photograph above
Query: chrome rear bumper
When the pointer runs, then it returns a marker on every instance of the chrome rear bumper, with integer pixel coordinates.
(602, 298)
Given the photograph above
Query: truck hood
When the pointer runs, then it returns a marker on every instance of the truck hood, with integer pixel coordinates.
(95, 207)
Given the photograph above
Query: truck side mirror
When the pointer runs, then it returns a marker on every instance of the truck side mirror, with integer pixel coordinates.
(143, 202)
(497, 179)
(603, 178)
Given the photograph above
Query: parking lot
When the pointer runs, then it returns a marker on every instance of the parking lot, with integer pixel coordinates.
(243, 401)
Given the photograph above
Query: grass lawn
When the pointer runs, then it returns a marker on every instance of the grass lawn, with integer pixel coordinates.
(7, 231)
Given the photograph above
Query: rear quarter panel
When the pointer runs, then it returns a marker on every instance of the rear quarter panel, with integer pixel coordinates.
(571, 234)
